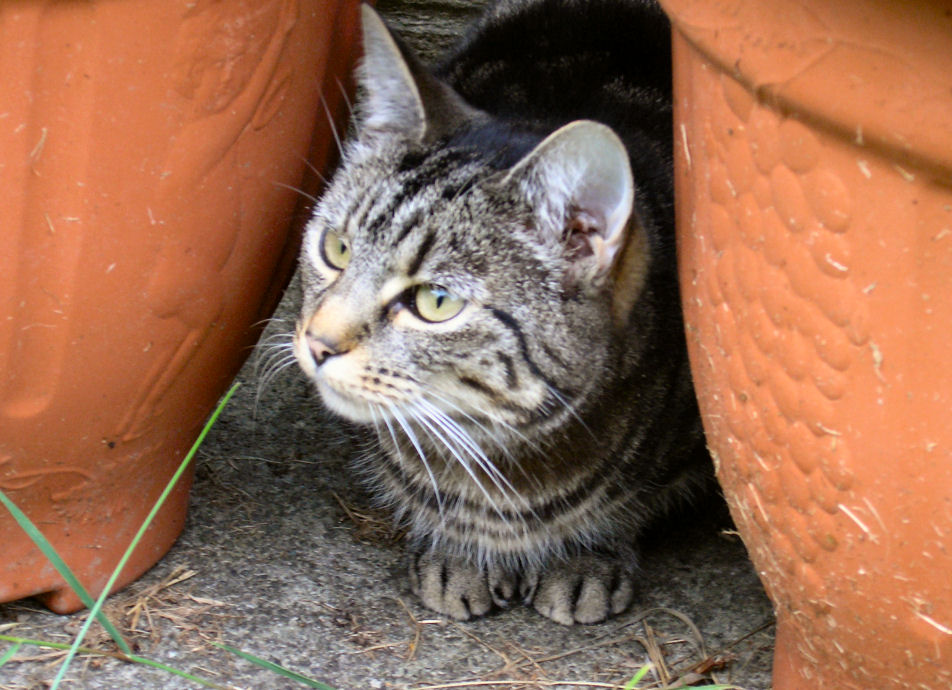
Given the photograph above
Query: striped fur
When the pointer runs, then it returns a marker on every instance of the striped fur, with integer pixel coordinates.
(545, 424)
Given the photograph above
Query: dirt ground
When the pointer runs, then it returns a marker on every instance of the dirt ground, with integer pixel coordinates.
(282, 557)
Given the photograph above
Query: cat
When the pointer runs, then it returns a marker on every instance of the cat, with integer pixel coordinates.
(489, 285)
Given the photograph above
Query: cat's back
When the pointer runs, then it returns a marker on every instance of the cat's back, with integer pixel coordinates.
(547, 62)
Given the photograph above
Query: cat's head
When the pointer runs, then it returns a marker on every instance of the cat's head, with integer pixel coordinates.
(456, 264)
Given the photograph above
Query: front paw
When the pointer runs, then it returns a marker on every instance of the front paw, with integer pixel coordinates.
(450, 585)
(585, 589)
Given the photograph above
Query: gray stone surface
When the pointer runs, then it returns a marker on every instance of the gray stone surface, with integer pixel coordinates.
(282, 557)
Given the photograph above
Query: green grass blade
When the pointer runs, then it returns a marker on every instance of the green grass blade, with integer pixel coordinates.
(276, 668)
(639, 675)
(7, 655)
(81, 635)
(174, 671)
(33, 532)
(19, 641)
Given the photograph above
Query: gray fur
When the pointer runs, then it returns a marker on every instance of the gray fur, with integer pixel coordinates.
(529, 439)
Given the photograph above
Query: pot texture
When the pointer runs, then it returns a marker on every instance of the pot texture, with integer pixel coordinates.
(814, 180)
(143, 235)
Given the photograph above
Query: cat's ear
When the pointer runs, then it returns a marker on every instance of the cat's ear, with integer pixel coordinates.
(580, 183)
(400, 96)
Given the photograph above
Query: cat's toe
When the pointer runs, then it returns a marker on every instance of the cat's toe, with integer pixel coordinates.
(509, 587)
(450, 585)
(584, 590)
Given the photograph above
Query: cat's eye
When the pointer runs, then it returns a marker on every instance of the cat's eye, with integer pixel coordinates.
(434, 303)
(335, 249)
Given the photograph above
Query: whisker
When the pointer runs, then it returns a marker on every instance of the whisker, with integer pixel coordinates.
(427, 424)
(512, 495)
(264, 323)
(343, 92)
(507, 488)
(313, 169)
(571, 408)
(330, 121)
(473, 449)
(300, 191)
(272, 360)
(494, 437)
(411, 436)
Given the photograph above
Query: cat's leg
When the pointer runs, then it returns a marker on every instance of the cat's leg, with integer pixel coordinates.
(584, 589)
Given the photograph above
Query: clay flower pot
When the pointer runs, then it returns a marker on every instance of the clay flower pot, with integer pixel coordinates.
(142, 235)
(814, 180)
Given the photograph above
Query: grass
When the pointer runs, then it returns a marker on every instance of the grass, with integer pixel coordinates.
(639, 681)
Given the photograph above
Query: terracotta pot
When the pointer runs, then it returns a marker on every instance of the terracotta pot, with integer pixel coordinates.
(814, 180)
(142, 234)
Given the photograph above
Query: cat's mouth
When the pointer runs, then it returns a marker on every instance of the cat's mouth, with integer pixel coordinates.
(358, 396)
(344, 403)
(350, 389)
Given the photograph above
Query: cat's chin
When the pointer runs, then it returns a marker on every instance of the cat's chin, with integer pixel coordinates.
(346, 406)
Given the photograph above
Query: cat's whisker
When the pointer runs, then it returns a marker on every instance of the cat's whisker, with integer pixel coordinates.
(276, 344)
(313, 169)
(512, 495)
(300, 191)
(264, 323)
(330, 121)
(555, 394)
(494, 435)
(490, 434)
(343, 92)
(472, 448)
(435, 432)
(267, 369)
(412, 437)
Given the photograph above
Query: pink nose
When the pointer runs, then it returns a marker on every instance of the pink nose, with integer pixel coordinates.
(320, 348)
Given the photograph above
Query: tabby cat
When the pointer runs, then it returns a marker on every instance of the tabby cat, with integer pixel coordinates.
(489, 285)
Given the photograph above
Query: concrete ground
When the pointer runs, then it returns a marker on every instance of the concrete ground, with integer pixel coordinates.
(282, 557)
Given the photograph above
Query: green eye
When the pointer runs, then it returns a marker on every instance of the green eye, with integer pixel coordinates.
(434, 303)
(336, 250)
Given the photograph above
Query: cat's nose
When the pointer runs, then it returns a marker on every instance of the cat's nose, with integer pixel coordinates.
(321, 348)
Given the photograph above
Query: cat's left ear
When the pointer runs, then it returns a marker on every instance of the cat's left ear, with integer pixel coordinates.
(401, 97)
(580, 183)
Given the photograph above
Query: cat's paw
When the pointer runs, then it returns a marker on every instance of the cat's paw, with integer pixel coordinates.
(450, 585)
(585, 589)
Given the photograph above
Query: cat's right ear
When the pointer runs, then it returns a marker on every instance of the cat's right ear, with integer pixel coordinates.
(400, 97)
(580, 184)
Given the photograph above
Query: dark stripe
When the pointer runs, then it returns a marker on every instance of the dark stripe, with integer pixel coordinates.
(425, 246)
(408, 226)
(422, 172)
(477, 385)
(444, 577)
(554, 356)
(615, 582)
(506, 360)
(509, 322)
(454, 189)
(577, 593)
